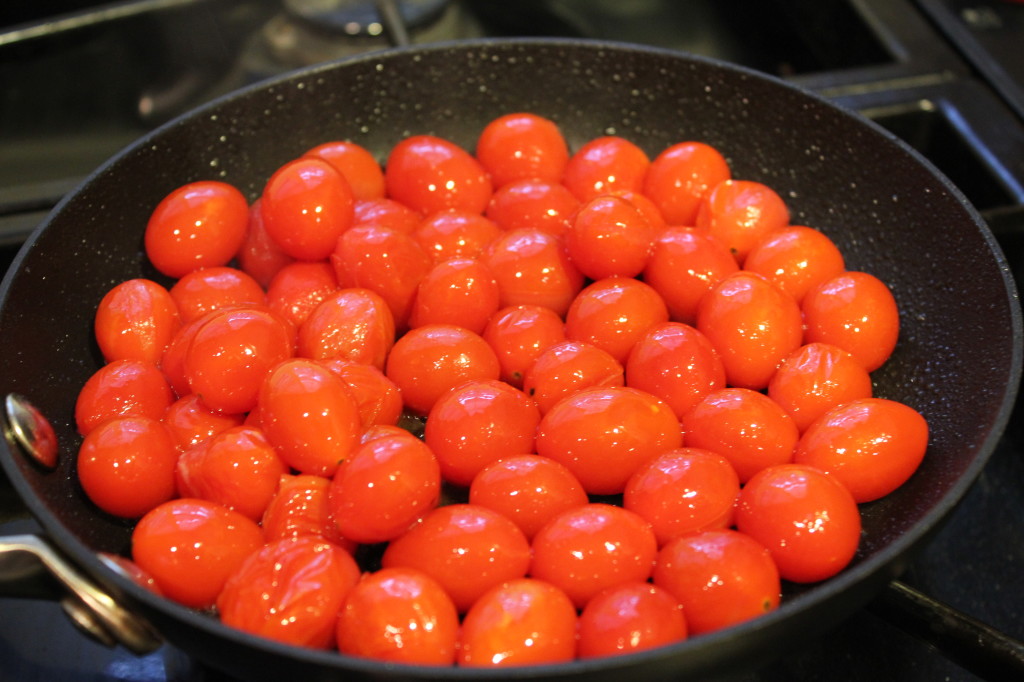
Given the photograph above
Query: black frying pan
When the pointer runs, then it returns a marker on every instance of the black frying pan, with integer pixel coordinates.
(892, 214)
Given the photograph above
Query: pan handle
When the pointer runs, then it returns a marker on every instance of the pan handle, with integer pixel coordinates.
(30, 567)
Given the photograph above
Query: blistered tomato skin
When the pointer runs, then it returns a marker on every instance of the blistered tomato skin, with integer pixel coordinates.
(353, 324)
(119, 389)
(203, 291)
(680, 176)
(630, 617)
(567, 367)
(453, 233)
(300, 287)
(533, 268)
(378, 398)
(519, 334)
(136, 320)
(741, 213)
(259, 256)
(300, 508)
(428, 173)
(684, 265)
(816, 378)
(191, 422)
(613, 314)
(459, 291)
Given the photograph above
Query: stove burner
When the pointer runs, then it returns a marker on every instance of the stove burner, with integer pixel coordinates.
(362, 17)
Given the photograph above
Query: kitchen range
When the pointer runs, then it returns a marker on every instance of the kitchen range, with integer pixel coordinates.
(81, 80)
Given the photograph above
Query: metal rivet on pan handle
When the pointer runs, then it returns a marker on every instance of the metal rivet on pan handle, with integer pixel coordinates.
(30, 430)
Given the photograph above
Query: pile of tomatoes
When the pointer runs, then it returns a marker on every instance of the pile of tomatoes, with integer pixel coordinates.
(641, 398)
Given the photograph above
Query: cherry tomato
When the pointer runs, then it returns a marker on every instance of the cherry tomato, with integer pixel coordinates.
(721, 577)
(453, 233)
(753, 325)
(871, 446)
(603, 435)
(238, 468)
(569, 367)
(306, 205)
(534, 204)
(522, 146)
(590, 548)
(613, 314)
(386, 213)
(816, 378)
(172, 362)
(647, 208)
(427, 361)
(126, 465)
(796, 259)
(231, 353)
(528, 489)
(198, 225)
(299, 508)
(399, 615)
(806, 518)
(857, 312)
(299, 287)
(290, 591)
(122, 388)
(627, 618)
(191, 547)
(353, 324)
(682, 491)
(685, 264)
(741, 213)
(466, 548)
(378, 398)
(202, 291)
(746, 427)
(428, 173)
(680, 176)
(521, 622)
(609, 237)
(533, 268)
(309, 416)
(259, 256)
(460, 291)
(191, 422)
(519, 334)
(384, 487)
(605, 164)
(362, 172)
(136, 320)
(476, 423)
(677, 363)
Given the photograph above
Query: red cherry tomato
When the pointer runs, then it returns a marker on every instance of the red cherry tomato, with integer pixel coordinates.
(683, 491)
(261, 595)
(126, 465)
(806, 518)
(857, 312)
(753, 325)
(460, 291)
(587, 549)
(191, 422)
(518, 623)
(362, 172)
(191, 547)
(198, 225)
(720, 576)
(353, 324)
(796, 259)
(533, 268)
(453, 233)
(522, 146)
(872, 445)
(299, 287)
(386, 213)
(534, 204)
(685, 264)
(399, 615)
(741, 213)
(519, 334)
(680, 176)
(609, 237)
(136, 320)
(378, 398)
(466, 548)
(604, 165)
(203, 291)
(746, 427)
(647, 208)
(627, 618)
(259, 256)
(122, 388)
(306, 205)
(569, 367)
(299, 508)
(475, 423)
(613, 314)
(428, 173)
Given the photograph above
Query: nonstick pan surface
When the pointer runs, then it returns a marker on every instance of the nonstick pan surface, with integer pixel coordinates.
(890, 212)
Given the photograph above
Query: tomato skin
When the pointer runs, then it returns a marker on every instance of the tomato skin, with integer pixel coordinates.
(534, 204)
(122, 388)
(816, 378)
(520, 622)
(753, 325)
(191, 422)
(682, 491)
(677, 363)
(872, 445)
(857, 312)
(806, 518)
(741, 213)
(519, 334)
(460, 291)
(309, 416)
(567, 367)
(428, 173)
(721, 577)
(627, 618)
(453, 233)
(613, 314)
(299, 287)
(361, 171)
(680, 176)
(609, 237)
(604, 165)
(299, 508)
(399, 615)
(201, 224)
(306, 205)
(533, 268)
(126, 465)
(378, 398)
(352, 324)
(476, 423)
(590, 548)
(191, 547)
(290, 591)
(745, 426)
(796, 259)
(522, 146)
(386, 213)
(383, 488)
(259, 256)
(685, 264)
(202, 291)
(136, 320)
(604, 434)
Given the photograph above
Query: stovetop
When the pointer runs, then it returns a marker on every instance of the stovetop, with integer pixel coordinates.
(81, 80)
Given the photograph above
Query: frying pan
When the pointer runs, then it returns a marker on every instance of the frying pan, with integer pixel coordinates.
(889, 210)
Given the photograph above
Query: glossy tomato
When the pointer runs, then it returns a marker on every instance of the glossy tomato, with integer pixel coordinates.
(741, 213)
(533, 268)
(685, 264)
(122, 388)
(627, 618)
(353, 324)
(364, 175)
(202, 291)
(604, 165)
(568, 367)
(378, 398)
(519, 334)
(259, 256)
(429, 173)
(453, 233)
(191, 422)
(459, 291)
(300, 508)
(534, 204)
(522, 146)
(136, 320)
(796, 259)
(613, 314)
(299, 287)
(609, 237)
(680, 176)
